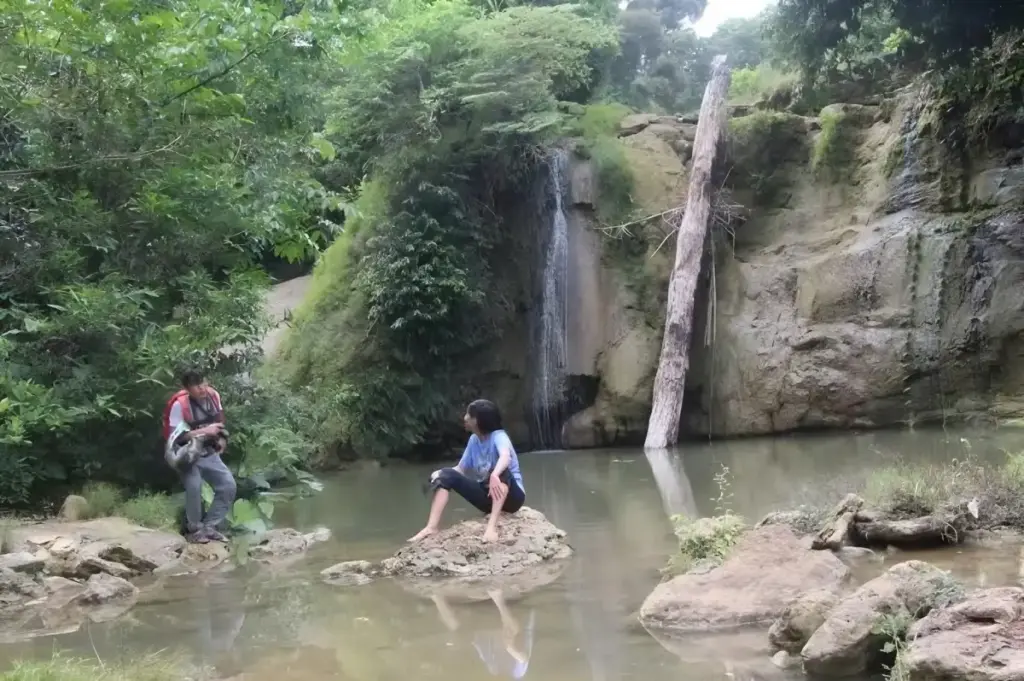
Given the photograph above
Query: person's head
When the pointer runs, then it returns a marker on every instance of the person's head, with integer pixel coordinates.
(482, 417)
(194, 383)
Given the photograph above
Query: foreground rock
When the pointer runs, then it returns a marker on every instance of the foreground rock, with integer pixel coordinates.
(769, 568)
(849, 642)
(457, 562)
(980, 639)
(801, 619)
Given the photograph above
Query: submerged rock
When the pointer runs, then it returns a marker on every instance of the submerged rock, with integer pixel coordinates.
(286, 542)
(457, 562)
(980, 639)
(768, 569)
(849, 641)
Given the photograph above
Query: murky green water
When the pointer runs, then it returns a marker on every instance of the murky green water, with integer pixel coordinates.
(284, 624)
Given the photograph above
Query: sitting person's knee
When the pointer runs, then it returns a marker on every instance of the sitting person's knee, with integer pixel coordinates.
(447, 478)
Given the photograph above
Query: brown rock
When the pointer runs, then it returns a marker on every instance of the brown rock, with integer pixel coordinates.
(16, 588)
(74, 508)
(634, 123)
(847, 644)
(980, 639)
(22, 562)
(801, 619)
(768, 569)
(527, 539)
(350, 573)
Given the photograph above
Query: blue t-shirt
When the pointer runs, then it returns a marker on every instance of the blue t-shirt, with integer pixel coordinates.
(482, 455)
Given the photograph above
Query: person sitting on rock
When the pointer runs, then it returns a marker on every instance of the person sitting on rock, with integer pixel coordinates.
(486, 476)
(195, 441)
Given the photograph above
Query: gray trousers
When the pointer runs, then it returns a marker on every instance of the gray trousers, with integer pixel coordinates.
(212, 470)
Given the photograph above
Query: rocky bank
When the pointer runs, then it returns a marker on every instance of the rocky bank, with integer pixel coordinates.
(457, 563)
(57, 575)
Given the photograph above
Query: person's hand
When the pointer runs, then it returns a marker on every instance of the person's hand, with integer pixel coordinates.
(433, 476)
(212, 429)
(497, 489)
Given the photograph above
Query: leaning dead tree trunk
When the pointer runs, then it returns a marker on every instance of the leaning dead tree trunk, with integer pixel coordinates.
(663, 427)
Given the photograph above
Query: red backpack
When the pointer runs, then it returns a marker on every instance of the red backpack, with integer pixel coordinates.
(186, 410)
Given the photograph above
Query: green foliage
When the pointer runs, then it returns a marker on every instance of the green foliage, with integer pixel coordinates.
(157, 511)
(834, 154)
(149, 668)
(762, 149)
(447, 112)
(150, 155)
(753, 84)
(864, 39)
(103, 499)
(989, 92)
(704, 539)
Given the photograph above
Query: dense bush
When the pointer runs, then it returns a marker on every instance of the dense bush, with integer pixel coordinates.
(150, 155)
(448, 111)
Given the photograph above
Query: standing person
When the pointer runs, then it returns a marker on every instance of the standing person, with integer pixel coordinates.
(486, 476)
(194, 417)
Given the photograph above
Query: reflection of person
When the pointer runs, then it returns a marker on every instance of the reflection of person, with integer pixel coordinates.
(506, 653)
(486, 476)
(220, 615)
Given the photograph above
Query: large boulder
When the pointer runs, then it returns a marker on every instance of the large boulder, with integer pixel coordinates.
(768, 569)
(980, 639)
(456, 562)
(849, 642)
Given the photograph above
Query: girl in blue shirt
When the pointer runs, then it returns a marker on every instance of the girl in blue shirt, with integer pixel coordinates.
(486, 476)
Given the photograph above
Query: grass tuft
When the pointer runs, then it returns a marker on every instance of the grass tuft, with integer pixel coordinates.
(149, 668)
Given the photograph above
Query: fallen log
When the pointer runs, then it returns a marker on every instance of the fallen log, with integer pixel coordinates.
(667, 404)
(869, 530)
(835, 534)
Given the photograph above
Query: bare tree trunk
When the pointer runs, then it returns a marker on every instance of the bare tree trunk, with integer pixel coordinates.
(663, 427)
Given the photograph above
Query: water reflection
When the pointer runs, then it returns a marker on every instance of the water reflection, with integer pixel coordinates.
(505, 649)
(673, 485)
(614, 505)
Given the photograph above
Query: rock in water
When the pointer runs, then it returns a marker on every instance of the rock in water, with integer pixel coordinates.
(801, 619)
(768, 569)
(457, 563)
(848, 642)
(527, 539)
(980, 639)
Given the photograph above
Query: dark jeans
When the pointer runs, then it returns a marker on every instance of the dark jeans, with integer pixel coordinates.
(476, 492)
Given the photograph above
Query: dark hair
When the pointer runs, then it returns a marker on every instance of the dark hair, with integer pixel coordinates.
(488, 418)
(191, 378)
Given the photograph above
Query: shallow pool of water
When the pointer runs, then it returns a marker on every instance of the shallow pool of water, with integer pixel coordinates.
(283, 624)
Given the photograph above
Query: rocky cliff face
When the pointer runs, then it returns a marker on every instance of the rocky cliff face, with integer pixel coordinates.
(877, 279)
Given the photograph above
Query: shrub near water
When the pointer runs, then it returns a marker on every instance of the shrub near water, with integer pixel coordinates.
(914, 490)
(154, 510)
(703, 539)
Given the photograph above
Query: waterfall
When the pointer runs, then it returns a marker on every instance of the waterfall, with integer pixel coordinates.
(550, 358)
(909, 186)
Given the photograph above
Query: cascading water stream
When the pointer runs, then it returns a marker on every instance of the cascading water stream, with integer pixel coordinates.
(551, 354)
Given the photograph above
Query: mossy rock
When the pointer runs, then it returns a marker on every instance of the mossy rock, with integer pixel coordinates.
(763, 148)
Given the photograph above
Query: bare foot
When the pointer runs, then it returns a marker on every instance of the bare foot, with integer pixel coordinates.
(490, 536)
(422, 534)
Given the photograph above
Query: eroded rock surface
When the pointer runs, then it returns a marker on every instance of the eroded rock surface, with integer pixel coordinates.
(980, 639)
(849, 641)
(801, 619)
(457, 562)
(768, 569)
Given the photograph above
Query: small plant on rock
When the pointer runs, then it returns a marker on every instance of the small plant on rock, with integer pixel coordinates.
(703, 540)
